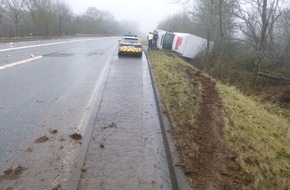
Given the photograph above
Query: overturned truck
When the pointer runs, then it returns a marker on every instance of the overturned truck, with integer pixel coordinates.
(185, 44)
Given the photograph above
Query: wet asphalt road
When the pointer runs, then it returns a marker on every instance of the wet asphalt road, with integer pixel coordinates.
(51, 92)
(79, 86)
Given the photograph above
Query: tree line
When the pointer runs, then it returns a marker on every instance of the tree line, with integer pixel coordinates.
(251, 36)
(55, 18)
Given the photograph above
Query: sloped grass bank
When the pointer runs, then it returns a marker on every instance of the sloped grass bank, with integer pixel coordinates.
(259, 138)
(180, 97)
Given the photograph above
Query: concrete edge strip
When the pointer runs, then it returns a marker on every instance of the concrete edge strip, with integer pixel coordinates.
(93, 99)
(79, 160)
(19, 62)
(178, 179)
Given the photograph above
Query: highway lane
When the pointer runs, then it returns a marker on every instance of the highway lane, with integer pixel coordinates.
(81, 87)
(7, 44)
(49, 93)
(25, 50)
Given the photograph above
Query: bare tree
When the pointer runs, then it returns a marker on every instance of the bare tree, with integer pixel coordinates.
(179, 22)
(213, 20)
(257, 17)
(94, 17)
(14, 9)
(283, 34)
(101, 22)
(41, 14)
(205, 22)
(2, 11)
(63, 12)
(226, 22)
(221, 15)
(54, 17)
(95, 21)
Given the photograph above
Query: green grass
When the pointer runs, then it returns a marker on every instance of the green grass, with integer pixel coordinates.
(259, 135)
(180, 98)
(260, 138)
(174, 87)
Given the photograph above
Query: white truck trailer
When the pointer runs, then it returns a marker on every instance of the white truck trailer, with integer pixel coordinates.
(188, 45)
(185, 44)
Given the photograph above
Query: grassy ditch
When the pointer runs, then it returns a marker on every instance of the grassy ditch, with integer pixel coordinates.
(258, 136)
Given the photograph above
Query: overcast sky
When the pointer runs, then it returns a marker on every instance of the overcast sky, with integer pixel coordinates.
(148, 13)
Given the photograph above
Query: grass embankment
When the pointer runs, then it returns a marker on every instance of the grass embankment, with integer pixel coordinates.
(180, 98)
(259, 136)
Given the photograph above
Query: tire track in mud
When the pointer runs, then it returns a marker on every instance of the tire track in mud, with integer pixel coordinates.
(215, 166)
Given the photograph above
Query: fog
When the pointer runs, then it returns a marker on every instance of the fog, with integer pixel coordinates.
(146, 13)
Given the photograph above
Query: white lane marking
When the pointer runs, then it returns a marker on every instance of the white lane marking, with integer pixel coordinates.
(47, 44)
(40, 45)
(19, 62)
(93, 99)
(5, 66)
